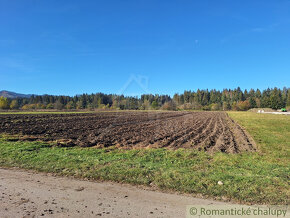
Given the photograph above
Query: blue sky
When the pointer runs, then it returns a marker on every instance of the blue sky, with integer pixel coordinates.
(133, 47)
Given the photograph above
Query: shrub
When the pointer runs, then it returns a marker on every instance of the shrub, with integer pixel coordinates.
(4, 103)
(169, 106)
(243, 105)
(14, 104)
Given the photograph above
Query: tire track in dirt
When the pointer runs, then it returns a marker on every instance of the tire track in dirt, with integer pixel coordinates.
(211, 139)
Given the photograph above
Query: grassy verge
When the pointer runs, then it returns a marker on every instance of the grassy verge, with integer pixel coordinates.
(270, 131)
(260, 177)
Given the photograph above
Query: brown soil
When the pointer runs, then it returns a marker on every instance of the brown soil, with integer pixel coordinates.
(209, 131)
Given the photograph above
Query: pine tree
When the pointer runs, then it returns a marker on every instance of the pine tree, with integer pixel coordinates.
(154, 105)
(276, 99)
(252, 102)
(288, 98)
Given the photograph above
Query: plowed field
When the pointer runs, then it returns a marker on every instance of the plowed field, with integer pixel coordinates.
(209, 131)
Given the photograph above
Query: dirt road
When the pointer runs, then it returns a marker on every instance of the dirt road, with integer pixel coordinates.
(29, 194)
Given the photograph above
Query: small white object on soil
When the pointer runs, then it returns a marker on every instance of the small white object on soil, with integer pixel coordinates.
(220, 183)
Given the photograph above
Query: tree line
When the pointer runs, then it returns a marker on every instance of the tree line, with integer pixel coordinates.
(227, 99)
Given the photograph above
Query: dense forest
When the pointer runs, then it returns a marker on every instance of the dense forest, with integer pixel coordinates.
(227, 99)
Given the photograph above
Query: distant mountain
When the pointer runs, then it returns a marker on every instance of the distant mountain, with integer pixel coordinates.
(8, 94)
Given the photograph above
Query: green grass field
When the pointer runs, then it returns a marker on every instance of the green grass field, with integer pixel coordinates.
(261, 177)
